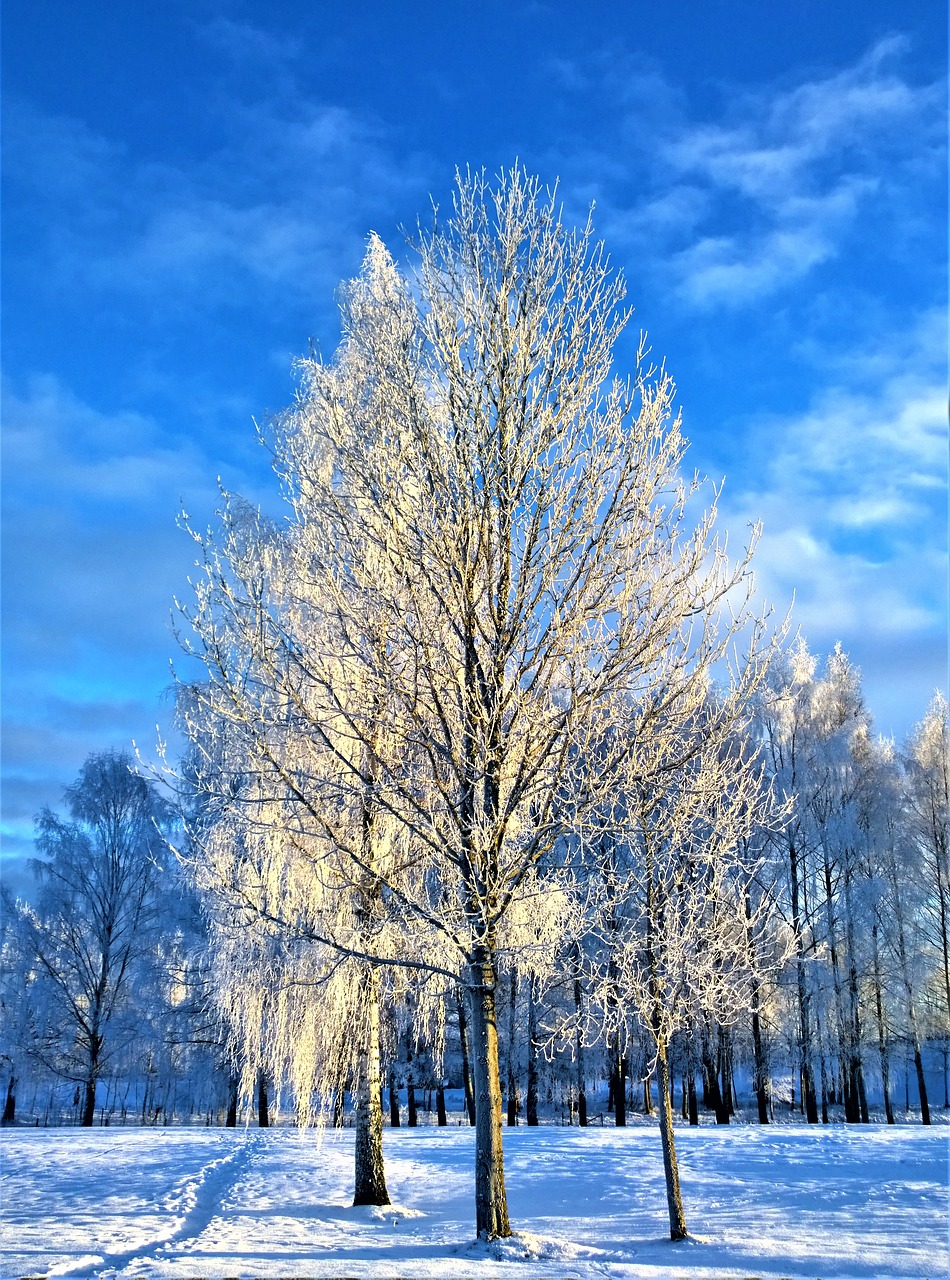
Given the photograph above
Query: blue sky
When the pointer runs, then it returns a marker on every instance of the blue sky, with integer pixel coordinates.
(185, 184)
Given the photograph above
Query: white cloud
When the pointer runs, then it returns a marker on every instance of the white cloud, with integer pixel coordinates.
(281, 197)
(743, 208)
(852, 496)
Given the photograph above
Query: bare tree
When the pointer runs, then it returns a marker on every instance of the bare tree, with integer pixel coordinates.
(489, 540)
(97, 912)
(673, 901)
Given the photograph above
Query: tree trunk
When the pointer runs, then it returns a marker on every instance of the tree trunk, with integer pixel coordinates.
(579, 1056)
(762, 1083)
(618, 1074)
(531, 1095)
(88, 1103)
(809, 1100)
(491, 1202)
(369, 1172)
(466, 1067)
(921, 1082)
(881, 1024)
(393, 1101)
(441, 1118)
(724, 1063)
(9, 1106)
(514, 1099)
(230, 1119)
(263, 1115)
(674, 1198)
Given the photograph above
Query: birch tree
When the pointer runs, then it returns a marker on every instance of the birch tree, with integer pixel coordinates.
(490, 538)
(675, 917)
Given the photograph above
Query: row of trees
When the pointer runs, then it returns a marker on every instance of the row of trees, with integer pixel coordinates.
(113, 979)
(493, 756)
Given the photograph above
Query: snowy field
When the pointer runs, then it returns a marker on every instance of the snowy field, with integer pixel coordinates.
(775, 1202)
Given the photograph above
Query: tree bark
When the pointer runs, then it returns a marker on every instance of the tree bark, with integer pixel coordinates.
(674, 1198)
(88, 1103)
(579, 1056)
(369, 1172)
(9, 1106)
(514, 1098)
(491, 1203)
(230, 1119)
(531, 1095)
(466, 1067)
(263, 1114)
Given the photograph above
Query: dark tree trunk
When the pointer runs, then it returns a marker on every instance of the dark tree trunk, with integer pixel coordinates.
(263, 1116)
(921, 1082)
(514, 1099)
(466, 1067)
(579, 1055)
(88, 1104)
(724, 1057)
(762, 1083)
(441, 1118)
(393, 1101)
(618, 1087)
(230, 1119)
(809, 1100)
(712, 1093)
(531, 1094)
(9, 1106)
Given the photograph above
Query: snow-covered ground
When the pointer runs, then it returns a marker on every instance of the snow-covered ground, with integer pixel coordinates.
(773, 1202)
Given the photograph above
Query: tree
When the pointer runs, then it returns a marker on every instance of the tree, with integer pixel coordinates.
(489, 541)
(672, 902)
(927, 769)
(96, 913)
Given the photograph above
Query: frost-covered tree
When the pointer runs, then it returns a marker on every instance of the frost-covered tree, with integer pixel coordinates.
(489, 541)
(927, 772)
(95, 919)
(672, 900)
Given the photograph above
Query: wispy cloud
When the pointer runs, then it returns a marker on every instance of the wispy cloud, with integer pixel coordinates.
(282, 197)
(852, 495)
(92, 560)
(741, 208)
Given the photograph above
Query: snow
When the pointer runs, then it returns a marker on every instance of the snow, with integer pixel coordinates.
(784, 1201)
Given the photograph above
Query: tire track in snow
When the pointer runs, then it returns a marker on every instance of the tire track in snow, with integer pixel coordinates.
(194, 1202)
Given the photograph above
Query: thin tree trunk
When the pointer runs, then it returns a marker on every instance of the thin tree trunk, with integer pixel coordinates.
(393, 1100)
(491, 1202)
(9, 1106)
(809, 1101)
(441, 1118)
(514, 1100)
(531, 1095)
(88, 1116)
(579, 1055)
(369, 1172)
(230, 1119)
(263, 1114)
(466, 1067)
(674, 1198)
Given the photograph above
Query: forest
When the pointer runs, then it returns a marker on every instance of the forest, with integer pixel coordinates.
(505, 799)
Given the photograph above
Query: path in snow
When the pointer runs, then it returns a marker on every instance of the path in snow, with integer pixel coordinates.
(181, 1203)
